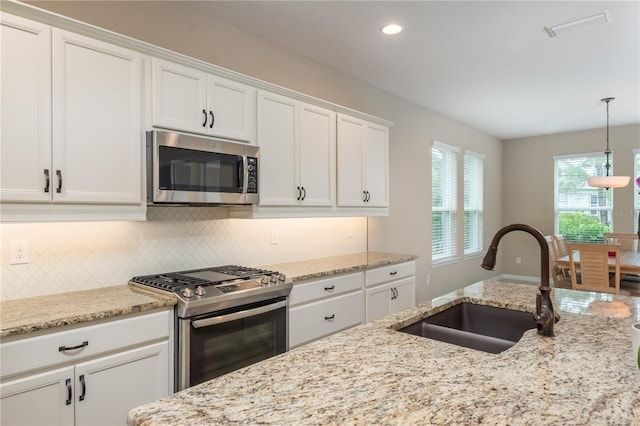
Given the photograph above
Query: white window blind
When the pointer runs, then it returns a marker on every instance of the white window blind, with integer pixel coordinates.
(636, 190)
(582, 213)
(473, 207)
(444, 159)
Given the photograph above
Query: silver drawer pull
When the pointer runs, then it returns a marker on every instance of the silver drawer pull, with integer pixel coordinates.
(71, 348)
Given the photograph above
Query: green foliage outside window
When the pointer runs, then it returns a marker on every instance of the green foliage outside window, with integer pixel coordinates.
(581, 228)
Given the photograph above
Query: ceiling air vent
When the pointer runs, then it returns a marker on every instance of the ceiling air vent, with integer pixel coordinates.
(578, 24)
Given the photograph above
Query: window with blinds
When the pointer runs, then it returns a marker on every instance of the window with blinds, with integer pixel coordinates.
(444, 160)
(582, 213)
(473, 209)
(636, 190)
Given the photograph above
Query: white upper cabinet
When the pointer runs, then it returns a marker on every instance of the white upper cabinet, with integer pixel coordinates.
(25, 96)
(363, 156)
(97, 134)
(317, 155)
(71, 121)
(297, 152)
(194, 101)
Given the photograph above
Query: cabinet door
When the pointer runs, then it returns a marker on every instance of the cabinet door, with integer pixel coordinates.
(405, 294)
(316, 153)
(277, 134)
(25, 109)
(376, 163)
(231, 109)
(179, 97)
(40, 399)
(378, 302)
(109, 387)
(97, 139)
(350, 159)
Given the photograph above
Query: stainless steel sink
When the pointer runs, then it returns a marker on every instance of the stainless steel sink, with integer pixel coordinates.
(485, 328)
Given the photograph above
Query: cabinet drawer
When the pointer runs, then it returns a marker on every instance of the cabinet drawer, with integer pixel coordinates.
(389, 273)
(319, 289)
(44, 351)
(319, 319)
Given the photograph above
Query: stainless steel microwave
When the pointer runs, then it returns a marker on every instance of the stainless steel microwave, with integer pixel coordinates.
(187, 169)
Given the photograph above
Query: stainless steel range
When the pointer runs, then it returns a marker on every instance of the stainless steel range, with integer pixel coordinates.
(227, 317)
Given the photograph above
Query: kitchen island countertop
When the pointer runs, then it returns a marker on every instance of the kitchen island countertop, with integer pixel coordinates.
(372, 374)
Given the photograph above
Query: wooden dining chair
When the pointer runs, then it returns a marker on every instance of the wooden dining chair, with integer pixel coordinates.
(560, 248)
(625, 241)
(560, 279)
(594, 267)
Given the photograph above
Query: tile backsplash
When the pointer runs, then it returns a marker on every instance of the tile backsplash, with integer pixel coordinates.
(82, 255)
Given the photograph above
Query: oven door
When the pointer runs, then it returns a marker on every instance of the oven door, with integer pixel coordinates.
(214, 344)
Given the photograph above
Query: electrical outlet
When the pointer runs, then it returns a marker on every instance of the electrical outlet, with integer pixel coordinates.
(19, 254)
(518, 260)
(349, 230)
(428, 279)
(275, 238)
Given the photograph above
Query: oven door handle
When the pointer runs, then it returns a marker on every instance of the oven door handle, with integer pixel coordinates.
(238, 315)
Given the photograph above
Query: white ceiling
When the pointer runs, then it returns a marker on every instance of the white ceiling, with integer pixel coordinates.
(484, 63)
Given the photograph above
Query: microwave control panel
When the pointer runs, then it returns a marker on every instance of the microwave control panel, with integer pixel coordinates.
(252, 175)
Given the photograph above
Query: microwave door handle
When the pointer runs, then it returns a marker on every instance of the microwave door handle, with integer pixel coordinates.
(238, 315)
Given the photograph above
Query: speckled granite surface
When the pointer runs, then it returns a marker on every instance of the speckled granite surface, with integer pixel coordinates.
(327, 266)
(372, 374)
(44, 312)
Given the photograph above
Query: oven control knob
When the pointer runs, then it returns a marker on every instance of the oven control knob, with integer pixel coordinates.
(273, 279)
(200, 291)
(282, 278)
(187, 292)
(264, 281)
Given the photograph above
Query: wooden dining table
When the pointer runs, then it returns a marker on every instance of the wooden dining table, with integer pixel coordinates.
(629, 262)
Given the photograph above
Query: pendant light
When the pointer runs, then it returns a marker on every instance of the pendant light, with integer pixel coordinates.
(608, 181)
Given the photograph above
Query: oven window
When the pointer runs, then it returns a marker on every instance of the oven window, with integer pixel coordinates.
(191, 170)
(219, 349)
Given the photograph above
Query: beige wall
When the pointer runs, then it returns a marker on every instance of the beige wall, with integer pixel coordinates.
(528, 186)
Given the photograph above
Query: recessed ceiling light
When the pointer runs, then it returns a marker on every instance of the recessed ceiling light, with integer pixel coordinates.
(577, 24)
(391, 29)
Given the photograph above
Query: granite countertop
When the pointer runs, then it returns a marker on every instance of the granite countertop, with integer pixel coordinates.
(46, 312)
(371, 374)
(328, 266)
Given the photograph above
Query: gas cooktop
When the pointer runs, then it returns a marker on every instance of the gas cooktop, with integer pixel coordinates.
(209, 289)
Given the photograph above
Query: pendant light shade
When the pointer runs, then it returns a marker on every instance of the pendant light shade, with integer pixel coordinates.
(608, 181)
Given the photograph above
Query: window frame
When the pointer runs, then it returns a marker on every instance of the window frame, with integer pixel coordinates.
(585, 192)
(636, 189)
(449, 191)
(476, 203)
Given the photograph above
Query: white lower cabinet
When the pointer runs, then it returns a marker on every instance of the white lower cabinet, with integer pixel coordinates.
(323, 307)
(117, 366)
(50, 392)
(389, 289)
